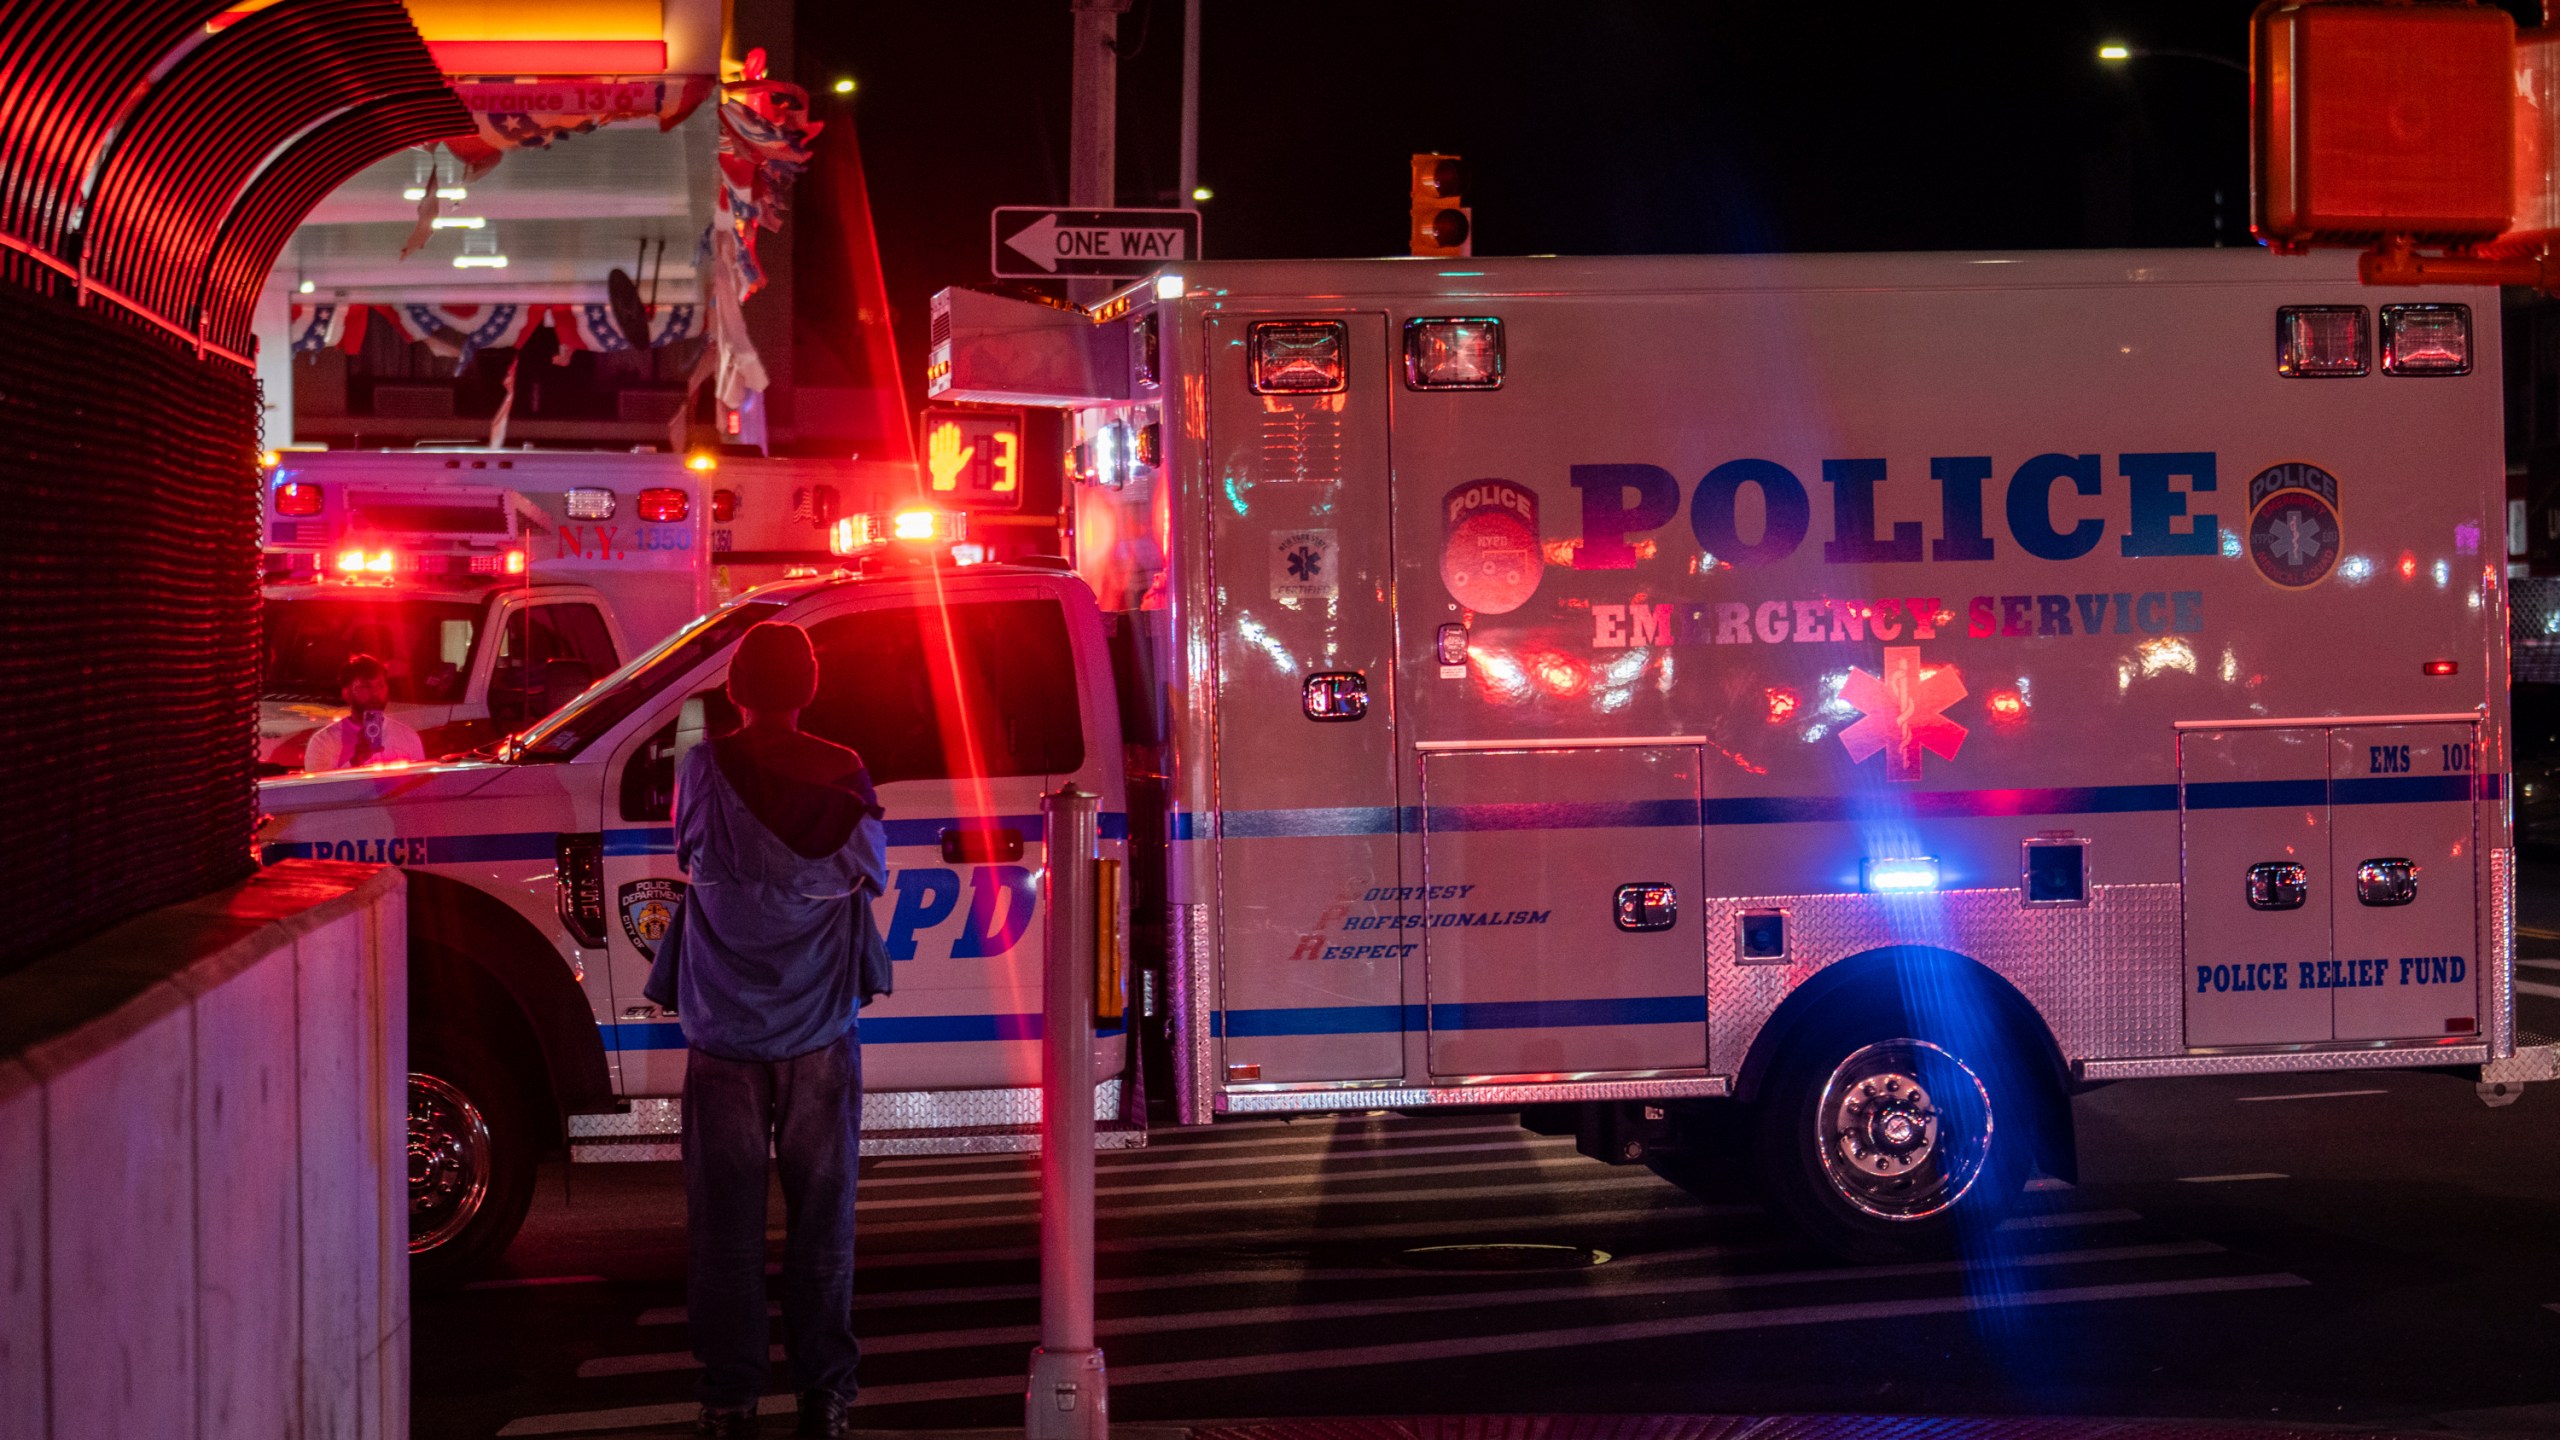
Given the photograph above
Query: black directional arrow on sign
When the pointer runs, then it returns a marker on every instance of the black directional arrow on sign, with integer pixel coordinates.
(1034, 242)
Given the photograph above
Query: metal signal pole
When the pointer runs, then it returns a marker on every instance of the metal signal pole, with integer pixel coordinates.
(1093, 130)
(1069, 1395)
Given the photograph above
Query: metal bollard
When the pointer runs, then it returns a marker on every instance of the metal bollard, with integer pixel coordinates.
(1070, 1396)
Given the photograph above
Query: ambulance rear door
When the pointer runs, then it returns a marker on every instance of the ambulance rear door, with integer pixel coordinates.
(1308, 816)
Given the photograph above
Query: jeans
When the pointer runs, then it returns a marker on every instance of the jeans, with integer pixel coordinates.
(809, 1108)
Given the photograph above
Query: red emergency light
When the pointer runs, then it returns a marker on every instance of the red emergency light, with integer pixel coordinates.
(2377, 120)
(296, 498)
(664, 505)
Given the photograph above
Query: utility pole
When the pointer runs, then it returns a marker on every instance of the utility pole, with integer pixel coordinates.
(1188, 179)
(1093, 131)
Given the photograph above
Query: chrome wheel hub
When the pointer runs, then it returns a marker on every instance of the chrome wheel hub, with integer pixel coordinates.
(449, 1161)
(1903, 1129)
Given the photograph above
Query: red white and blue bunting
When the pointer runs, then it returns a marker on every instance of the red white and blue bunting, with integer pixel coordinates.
(463, 331)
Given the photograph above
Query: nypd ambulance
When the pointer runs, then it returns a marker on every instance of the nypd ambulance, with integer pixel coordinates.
(494, 585)
(1808, 713)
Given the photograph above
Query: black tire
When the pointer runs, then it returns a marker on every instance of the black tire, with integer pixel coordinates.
(473, 1151)
(1885, 1138)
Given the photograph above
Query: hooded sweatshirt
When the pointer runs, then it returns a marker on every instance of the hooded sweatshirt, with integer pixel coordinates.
(766, 932)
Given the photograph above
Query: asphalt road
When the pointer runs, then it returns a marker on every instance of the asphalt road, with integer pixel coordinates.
(2368, 1249)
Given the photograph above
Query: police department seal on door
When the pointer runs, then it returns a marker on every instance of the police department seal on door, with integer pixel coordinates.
(648, 907)
(2294, 535)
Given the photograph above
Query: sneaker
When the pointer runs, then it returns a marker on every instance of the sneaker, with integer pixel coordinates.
(825, 1413)
(725, 1424)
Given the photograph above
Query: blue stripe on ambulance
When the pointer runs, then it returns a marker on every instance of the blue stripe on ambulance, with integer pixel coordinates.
(1816, 809)
(1389, 819)
(1482, 1015)
(630, 1035)
(629, 841)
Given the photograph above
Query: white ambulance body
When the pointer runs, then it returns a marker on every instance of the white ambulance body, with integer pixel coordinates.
(1862, 699)
(494, 584)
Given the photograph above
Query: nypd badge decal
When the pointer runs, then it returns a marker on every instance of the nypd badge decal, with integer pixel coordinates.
(648, 907)
(2294, 535)
(1490, 556)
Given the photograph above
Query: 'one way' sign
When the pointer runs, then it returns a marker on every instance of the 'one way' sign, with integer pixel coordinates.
(1037, 242)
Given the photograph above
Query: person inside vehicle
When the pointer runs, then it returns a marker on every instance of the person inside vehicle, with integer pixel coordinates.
(367, 735)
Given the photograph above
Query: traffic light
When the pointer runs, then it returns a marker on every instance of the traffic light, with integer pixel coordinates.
(1441, 226)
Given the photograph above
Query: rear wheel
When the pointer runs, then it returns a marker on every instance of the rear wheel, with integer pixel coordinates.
(1881, 1144)
(472, 1153)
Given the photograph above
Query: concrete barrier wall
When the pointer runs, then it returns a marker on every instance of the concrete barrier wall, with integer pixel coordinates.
(203, 1170)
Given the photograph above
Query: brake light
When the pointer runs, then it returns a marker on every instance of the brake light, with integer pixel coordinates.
(2322, 341)
(1298, 357)
(665, 505)
(297, 498)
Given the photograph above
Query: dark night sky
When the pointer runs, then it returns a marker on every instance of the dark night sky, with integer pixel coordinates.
(1591, 128)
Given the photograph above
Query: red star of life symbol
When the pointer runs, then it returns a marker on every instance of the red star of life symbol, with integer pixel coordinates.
(1902, 713)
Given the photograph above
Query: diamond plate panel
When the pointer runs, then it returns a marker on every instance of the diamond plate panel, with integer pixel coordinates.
(1194, 1054)
(645, 1117)
(2277, 1062)
(2105, 976)
(1766, 1427)
(881, 1111)
(2535, 1059)
(1417, 1097)
(2502, 952)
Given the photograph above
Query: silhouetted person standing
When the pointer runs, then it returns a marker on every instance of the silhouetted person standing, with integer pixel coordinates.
(779, 832)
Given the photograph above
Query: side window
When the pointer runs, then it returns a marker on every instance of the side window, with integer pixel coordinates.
(547, 655)
(915, 689)
(584, 638)
(649, 781)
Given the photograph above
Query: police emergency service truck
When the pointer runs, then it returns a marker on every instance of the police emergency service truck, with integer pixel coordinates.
(1808, 712)
(494, 585)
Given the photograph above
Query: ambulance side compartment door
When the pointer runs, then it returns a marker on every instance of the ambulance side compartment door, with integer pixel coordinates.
(2404, 900)
(2254, 808)
(1310, 951)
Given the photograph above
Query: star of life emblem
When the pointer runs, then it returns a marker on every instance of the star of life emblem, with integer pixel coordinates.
(1902, 713)
(2294, 534)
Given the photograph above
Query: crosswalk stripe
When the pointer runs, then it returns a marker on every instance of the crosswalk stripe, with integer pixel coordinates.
(1604, 1179)
(1673, 1206)
(1026, 1174)
(1460, 1347)
(1261, 1182)
(1599, 1288)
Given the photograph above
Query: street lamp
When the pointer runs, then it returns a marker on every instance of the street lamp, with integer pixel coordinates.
(2116, 52)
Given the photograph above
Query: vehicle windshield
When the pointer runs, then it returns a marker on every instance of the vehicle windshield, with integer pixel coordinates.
(426, 644)
(632, 687)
